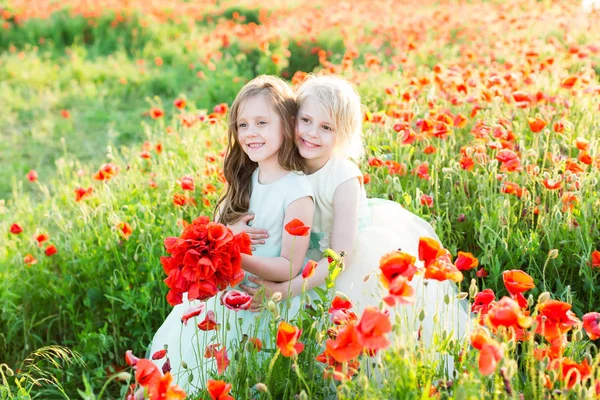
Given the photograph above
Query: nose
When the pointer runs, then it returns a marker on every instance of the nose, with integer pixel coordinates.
(311, 131)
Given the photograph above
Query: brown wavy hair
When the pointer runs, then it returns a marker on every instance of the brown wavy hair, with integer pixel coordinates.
(237, 166)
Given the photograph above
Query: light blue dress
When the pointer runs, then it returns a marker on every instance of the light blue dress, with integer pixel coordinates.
(187, 343)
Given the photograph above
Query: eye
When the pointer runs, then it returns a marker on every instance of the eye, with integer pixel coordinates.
(327, 128)
(262, 122)
(304, 119)
(242, 125)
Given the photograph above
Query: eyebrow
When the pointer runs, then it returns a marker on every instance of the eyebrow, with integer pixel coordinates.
(257, 117)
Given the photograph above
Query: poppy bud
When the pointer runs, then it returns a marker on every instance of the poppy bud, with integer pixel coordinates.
(421, 315)
(543, 297)
(303, 395)
(273, 309)
(277, 296)
(184, 365)
(446, 299)
(473, 289)
(462, 295)
(319, 336)
(530, 300)
(552, 254)
(577, 337)
(261, 387)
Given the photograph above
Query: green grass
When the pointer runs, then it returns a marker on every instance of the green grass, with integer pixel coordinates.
(101, 294)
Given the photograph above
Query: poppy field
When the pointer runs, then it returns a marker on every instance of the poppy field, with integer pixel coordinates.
(482, 117)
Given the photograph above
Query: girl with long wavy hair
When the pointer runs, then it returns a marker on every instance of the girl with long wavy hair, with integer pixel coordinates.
(263, 170)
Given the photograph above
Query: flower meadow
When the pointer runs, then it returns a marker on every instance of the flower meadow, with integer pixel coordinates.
(483, 117)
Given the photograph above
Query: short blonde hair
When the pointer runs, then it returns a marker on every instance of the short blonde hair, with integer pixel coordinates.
(341, 101)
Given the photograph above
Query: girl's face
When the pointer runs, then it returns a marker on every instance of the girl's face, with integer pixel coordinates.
(315, 133)
(259, 127)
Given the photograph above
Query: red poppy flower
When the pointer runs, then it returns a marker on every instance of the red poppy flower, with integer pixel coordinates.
(15, 229)
(186, 182)
(130, 359)
(163, 388)
(429, 150)
(555, 319)
(209, 323)
(147, 373)
(336, 370)
(179, 103)
(572, 371)
(309, 269)
(422, 171)
(32, 176)
(50, 250)
(345, 346)
(375, 162)
(536, 124)
(159, 354)
(82, 194)
(297, 228)
(591, 325)
(466, 261)
(236, 300)
(582, 144)
(483, 301)
(507, 312)
(506, 155)
(255, 343)
(490, 352)
(373, 328)
(551, 184)
(181, 200)
(596, 259)
(426, 200)
(517, 282)
(218, 390)
(569, 82)
(555, 350)
(222, 360)
(211, 350)
(125, 229)
(394, 264)
(221, 108)
(29, 259)
(399, 291)
(192, 312)
(287, 340)
(65, 114)
(156, 113)
(106, 172)
(41, 238)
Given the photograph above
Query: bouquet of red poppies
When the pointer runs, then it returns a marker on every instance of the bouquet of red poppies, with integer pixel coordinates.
(205, 259)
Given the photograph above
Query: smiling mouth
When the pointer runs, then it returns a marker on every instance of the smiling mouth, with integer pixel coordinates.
(255, 145)
(309, 144)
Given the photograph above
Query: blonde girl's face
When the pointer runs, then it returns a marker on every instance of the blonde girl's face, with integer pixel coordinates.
(260, 129)
(315, 133)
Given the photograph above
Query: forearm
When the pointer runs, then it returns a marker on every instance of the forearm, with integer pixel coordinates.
(276, 269)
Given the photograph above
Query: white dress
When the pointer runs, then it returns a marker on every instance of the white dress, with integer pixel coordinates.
(188, 343)
(385, 226)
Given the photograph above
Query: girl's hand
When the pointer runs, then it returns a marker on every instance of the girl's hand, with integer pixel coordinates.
(264, 290)
(257, 235)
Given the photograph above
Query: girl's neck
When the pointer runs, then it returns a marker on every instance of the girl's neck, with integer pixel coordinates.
(270, 171)
(316, 164)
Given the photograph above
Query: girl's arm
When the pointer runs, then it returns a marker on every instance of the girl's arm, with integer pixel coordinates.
(292, 248)
(343, 235)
